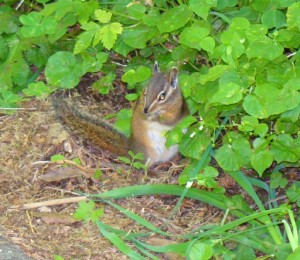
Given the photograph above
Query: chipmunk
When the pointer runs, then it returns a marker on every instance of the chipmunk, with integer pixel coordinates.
(158, 110)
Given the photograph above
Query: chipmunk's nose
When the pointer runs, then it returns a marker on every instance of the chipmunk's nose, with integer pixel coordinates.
(146, 110)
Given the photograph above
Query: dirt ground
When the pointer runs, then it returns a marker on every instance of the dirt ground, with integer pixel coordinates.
(28, 139)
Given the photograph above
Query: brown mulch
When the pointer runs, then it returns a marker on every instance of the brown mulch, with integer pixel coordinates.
(28, 139)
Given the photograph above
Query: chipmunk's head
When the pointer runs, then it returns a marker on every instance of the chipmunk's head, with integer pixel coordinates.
(162, 94)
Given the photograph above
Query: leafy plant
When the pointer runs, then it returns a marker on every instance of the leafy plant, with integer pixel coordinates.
(86, 211)
(135, 160)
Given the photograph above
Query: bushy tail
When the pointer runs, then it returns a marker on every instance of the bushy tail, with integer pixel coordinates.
(90, 127)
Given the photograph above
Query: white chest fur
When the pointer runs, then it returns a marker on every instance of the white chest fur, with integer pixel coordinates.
(159, 152)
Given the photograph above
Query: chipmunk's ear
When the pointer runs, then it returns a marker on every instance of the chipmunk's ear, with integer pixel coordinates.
(173, 77)
(156, 67)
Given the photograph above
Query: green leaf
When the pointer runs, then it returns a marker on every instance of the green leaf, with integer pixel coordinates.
(124, 159)
(86, 211)
(227, 93)
(141, 74)
(105, 84)
(202, 7)
(137, 10)
(226, 3)
(285, 148)
(273, 19)
(201, 251)
(293, 193)
(267, 100)
(231, 157)
(36, 25)
(108, 35)
(63, 70)
(261, 130)
(261, 161)
(132, 97)
(83, 41)
(277, 180)
(191, 36)
(138, 36)
(293, 16)
(264, 47)
(38, 89)
(214, 73)
(102, 16)
(207, 44)
(57, 157)
(123, 121)
(174, 19)
(194, 143)
(248, 124)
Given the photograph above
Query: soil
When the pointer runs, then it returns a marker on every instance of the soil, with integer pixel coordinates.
(28, 139)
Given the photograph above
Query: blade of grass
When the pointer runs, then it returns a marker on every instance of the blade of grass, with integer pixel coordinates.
(162, 189)
(137, 218)
(244, 182)
(118, 242)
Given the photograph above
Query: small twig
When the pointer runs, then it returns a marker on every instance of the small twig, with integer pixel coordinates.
(19, 5)
(19, 108)
(50, 203)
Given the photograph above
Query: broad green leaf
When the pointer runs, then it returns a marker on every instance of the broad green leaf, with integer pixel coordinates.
(231, 157)
(293, 193)
(36, 25)
(207, 44)
(264, 47)
(202, 7)
(192, 36)
(121, 47)
(8, 20)
(137, 10)
(183, 53)
(63, 70)
(174, 19)
(261, 129)
(103, 16)
(227, 93)
(267, 100)
(83, 41)
(123, 121)
(214, 73)
(261, 161)
(194, 143)
(293, 16)
(284, 148)
(248, 124)
(201, 251)
(273, 19)
(132, 77)
(108, 35)
(19, 71)
(138, 36)
(226, 3)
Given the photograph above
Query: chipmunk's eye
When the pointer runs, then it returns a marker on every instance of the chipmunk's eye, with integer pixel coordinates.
(162, 96)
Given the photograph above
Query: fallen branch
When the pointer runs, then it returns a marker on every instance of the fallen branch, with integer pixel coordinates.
(50, 203)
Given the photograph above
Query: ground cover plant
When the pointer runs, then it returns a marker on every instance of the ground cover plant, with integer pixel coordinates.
(239, 72)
